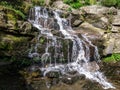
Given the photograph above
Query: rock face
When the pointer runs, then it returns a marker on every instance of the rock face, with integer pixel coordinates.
(99, 10)
(15, 34)
(100, 24)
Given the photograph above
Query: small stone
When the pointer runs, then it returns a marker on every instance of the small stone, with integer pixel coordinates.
(77, 23)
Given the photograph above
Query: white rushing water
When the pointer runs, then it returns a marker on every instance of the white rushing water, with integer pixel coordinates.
(78, 54)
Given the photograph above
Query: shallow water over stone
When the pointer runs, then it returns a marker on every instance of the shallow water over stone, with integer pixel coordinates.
(64, 52)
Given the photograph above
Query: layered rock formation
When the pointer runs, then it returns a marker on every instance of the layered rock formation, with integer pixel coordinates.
(100, 24)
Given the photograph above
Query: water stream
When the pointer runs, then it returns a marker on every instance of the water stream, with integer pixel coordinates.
(64, 51)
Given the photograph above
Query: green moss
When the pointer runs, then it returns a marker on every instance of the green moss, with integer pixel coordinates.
(8, 41)
(5, 46)
(112, 58)
(14, 38)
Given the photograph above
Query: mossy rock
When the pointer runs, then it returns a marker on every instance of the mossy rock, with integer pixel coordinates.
(11, 45)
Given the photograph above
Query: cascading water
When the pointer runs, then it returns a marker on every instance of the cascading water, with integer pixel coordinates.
(78, 50)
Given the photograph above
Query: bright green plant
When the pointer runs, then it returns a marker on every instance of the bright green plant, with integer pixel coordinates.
(76, 5)
(73, 3)
(112, 58)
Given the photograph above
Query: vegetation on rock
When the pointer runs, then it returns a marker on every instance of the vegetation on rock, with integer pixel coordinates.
(110, 3)
(79, 3)
(115, 57)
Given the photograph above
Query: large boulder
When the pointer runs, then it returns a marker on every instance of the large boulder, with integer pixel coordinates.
(99, 10)
(112, 43)
(89, 29)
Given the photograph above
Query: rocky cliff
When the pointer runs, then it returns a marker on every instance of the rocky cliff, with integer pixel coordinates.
(100, 24)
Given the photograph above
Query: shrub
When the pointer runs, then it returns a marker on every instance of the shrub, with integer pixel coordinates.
(78, 3)
(73, 3)
(9, 6)
(38, 2)
(109, 2)
(118, 3)
(112, 58)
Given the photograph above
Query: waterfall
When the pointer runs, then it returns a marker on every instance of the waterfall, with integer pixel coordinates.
(57, 56)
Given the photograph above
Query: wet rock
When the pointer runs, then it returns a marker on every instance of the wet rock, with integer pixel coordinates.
(53, 74)
(72, 79)
(34, 68)
(91, 85)
(92, 66)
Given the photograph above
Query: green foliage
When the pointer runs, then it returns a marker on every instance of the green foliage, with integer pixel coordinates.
(109, 2)
(79, 3)
(5, 46)
(76, 5)
(42, 40)
(73, 3)
(38, 2)
(118, 3)
(14, 8)
(112, 58)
